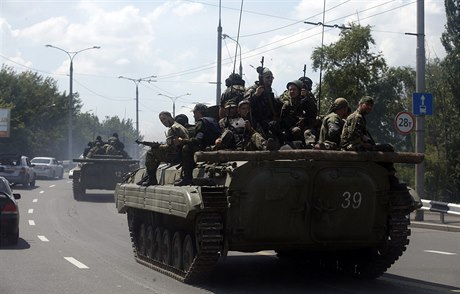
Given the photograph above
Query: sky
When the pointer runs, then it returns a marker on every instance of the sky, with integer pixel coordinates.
(176, 41)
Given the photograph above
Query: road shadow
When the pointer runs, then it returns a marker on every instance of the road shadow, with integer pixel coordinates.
(22, 245)
(107, 197)
(267, 274)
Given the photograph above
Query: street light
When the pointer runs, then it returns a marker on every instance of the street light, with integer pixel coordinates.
(224, 36)
(173, 99)
(71, 55)
(137, 82)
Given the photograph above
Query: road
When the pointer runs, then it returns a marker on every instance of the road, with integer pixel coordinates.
(69, 246)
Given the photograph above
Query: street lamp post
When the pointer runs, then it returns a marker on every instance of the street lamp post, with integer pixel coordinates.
(71, 55)
(137, 82)
(173, 99)
(224, 36)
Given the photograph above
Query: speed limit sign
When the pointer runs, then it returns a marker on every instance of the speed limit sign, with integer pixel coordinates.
(404, 122)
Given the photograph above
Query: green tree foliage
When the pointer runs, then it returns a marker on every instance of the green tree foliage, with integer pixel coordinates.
(350, 69)
(442, 136)
(450, 39)
(39, 118)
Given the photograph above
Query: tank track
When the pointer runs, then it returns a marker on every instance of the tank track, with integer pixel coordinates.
(208, 241)
(379, 260)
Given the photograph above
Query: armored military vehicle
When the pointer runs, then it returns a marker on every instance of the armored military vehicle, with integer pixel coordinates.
(335, 210)
(100, 172)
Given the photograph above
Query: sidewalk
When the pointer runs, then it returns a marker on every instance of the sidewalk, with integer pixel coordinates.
(432, 220)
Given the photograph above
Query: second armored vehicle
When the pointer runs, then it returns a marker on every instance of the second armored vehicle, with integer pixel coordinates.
(100, 172)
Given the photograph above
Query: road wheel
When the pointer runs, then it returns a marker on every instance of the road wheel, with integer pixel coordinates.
(156, 246)
(177, 250)
(166, 247)
(149, 242)
(188, 252)
(141, 240)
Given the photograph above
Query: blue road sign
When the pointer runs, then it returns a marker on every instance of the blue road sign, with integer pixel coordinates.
(422, 103)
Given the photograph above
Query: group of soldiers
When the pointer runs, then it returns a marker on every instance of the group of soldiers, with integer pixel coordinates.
(253, 119)
(113, 146)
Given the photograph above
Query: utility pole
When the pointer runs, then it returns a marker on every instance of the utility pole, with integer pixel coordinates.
(420, 119)
(219, 59)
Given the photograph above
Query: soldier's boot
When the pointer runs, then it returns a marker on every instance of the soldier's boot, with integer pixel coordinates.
(150, 179)
(187, 169)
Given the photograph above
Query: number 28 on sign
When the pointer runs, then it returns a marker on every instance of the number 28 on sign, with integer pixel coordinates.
(404, 122)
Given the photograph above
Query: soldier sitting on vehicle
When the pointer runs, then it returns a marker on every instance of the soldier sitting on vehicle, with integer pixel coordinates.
(332, 125)
(159, 153)
(98, 149)
(206, 132)
(183, 120)
(298, 113)
(355, 136)
(238, 133)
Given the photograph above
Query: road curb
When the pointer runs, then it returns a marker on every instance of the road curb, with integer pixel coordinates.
(440, 227)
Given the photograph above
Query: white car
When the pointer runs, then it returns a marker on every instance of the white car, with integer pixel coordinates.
(48, 167)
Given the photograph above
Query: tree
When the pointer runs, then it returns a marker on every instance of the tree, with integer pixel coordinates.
(39, 118)
(351, 70)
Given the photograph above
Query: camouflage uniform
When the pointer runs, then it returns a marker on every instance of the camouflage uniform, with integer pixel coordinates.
(297, 114)
(166, 152)
(331, 130)
(207, 130)
(266, 108)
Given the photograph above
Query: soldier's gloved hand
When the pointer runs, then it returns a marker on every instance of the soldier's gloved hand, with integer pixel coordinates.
(137, 141)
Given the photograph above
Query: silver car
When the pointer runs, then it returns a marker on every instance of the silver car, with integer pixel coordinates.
(48, 167)
(17, 169)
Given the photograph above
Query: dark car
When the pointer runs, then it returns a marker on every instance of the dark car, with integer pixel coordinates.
(9, 214)
(17, 169)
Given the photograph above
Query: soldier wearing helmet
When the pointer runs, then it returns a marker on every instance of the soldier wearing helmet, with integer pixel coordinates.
(298, 113)
(332, 125)
(266, 108)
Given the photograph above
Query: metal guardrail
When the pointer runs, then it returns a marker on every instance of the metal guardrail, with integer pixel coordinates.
(441, 207)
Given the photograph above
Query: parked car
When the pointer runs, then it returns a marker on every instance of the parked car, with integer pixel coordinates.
(17, 169)
(48, 167)
(9, 214)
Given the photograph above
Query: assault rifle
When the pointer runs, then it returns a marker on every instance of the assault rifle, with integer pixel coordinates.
(153, 145)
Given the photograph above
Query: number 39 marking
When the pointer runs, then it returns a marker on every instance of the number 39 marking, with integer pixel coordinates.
(349, 200)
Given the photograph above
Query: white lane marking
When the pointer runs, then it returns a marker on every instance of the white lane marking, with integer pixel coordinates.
(35, 200)
(440, 252)
(43, 238)
(31, 222)
(52, 186)
(41, 192)
(75, 262)
(31, 210)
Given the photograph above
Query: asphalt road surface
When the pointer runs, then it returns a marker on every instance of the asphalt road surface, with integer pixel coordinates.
(69, 246)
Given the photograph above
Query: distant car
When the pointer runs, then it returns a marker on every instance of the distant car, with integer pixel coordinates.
(9, 214)
(17, 169)
(48, 167)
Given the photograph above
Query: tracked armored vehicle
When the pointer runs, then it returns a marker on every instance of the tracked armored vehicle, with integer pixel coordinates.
(100, 172)
(336, 210)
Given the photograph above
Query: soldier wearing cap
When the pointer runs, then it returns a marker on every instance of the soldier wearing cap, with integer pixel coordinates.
(355, 136)
(207, 130)
(266, 108)
(332, 125)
